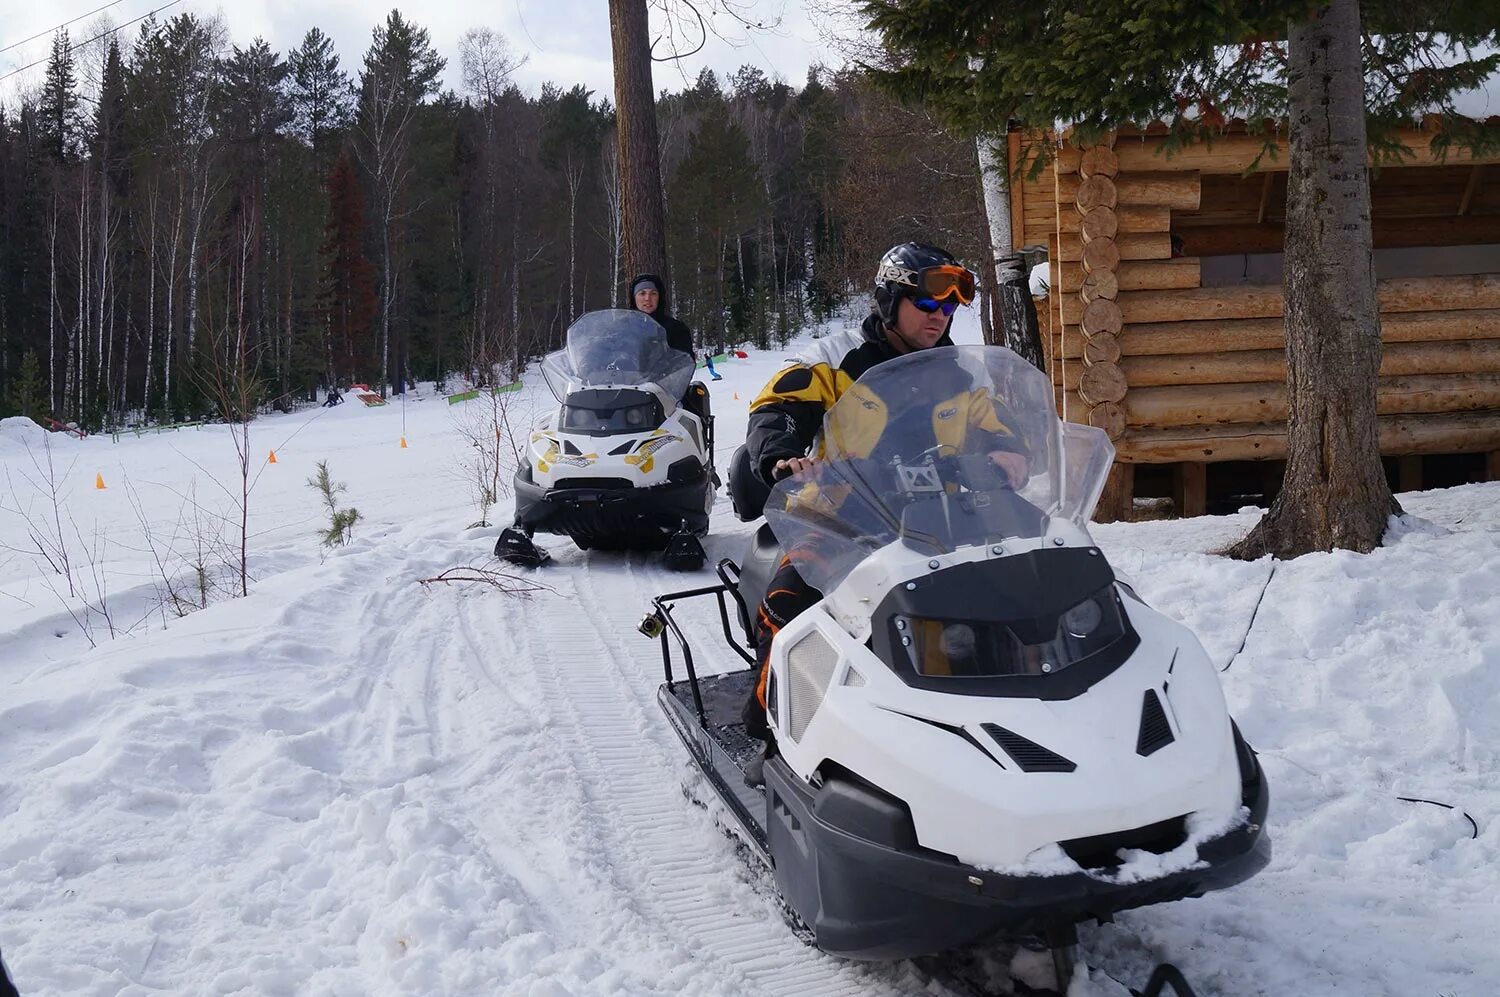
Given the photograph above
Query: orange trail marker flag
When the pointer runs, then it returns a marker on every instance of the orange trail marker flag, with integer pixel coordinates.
(272, 458)
(403, 443)
(99, 482)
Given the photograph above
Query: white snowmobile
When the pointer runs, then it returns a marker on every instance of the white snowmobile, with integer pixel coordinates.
(622, 464)
(980, 731)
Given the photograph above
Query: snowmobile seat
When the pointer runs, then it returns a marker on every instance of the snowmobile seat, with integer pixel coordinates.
(696, 400)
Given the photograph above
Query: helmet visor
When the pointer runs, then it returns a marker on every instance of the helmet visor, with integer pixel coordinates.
(945, 282)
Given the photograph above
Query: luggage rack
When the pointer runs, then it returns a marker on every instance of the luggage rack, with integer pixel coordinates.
(660, 624)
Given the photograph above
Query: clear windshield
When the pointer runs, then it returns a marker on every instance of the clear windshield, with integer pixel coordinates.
(617, 348)
(941, 449)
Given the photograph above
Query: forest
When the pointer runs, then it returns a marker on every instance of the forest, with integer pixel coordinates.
(178, 213)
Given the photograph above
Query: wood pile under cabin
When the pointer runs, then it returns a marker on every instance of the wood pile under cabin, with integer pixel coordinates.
(1177, 352)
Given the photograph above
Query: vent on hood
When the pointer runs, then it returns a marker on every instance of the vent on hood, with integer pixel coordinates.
(1028, 755)
(1156, 732)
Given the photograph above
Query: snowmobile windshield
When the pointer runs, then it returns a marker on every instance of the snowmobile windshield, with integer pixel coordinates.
(939, 449)
(617, 348)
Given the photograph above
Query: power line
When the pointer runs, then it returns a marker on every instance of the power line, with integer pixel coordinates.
(49, 31)
(100, 35)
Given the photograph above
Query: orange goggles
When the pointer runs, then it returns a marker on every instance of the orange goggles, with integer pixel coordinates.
(946, 281)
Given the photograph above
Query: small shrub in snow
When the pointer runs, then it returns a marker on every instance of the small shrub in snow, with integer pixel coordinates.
(340, 529)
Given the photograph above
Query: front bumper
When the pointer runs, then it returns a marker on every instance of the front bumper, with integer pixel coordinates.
(869, 892)
(614, 515)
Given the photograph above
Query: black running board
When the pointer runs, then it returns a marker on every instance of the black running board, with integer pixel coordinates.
(721, 769)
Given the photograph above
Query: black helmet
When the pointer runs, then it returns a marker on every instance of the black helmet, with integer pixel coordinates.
(914, 270)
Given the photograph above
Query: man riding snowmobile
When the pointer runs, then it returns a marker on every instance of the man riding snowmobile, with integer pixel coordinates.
(917, 289)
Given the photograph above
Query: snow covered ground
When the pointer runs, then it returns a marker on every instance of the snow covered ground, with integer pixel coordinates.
(348, 783)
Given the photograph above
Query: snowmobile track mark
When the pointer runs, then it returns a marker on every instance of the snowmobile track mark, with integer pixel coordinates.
(607, 717)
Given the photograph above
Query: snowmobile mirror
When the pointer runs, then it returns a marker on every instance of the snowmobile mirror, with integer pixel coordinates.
(652, 625)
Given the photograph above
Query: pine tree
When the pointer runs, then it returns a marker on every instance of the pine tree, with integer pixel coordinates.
(348, 297)
(401, 71)
(319, 93)
(27, 389)
(59, 116)
(340, 528)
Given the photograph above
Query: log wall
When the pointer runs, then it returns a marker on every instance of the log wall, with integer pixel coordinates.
(1175, 372)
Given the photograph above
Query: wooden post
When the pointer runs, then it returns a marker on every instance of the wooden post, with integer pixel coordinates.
(1117, 501)
(1409, 473)
(1190, 488)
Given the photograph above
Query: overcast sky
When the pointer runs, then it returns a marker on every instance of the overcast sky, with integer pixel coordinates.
(567, 41)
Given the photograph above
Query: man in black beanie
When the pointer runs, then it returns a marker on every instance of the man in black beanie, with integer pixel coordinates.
(650, 296)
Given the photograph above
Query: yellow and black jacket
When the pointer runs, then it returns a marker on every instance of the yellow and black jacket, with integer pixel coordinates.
(787, 416)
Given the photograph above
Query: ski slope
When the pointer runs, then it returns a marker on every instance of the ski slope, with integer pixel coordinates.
(349, 783)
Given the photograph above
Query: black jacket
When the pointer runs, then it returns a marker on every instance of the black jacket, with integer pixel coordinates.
(786, 417)
(679, 336)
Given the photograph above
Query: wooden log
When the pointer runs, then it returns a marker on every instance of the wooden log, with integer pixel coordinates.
(1238, 153)
(1247, 366)
(1473, 432)
(1132, 246)
(1178, 191)
(1095, 192)
(1100, 284)
(1098, 161)
(1265, 334)
(1139, 275)
(1128, 218)
(1402, 294)
(1117, 501)
(1190, 488)
(1218, 404)
(1100, 223)
(1233, 238)
(1103, 382)
(1431, 294)
(1101, 254)
(1109, 417)
(1102, 317)
(1103, 348)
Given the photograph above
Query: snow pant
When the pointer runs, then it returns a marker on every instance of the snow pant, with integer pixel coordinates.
(786, 596)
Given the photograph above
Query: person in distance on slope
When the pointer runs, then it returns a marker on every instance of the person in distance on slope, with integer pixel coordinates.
(917, 289)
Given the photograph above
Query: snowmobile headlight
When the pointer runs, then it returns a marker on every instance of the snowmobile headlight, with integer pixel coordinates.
(979, 648)
(1083, 619)
(637, 416)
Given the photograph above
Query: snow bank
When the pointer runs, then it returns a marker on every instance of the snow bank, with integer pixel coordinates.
(17, 433)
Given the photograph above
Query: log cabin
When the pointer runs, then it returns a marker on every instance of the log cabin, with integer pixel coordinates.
(1163, 323)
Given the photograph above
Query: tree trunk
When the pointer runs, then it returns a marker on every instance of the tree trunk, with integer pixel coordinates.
(641, 209)
(1015, 312)
(52, 401)
(1335, 493)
